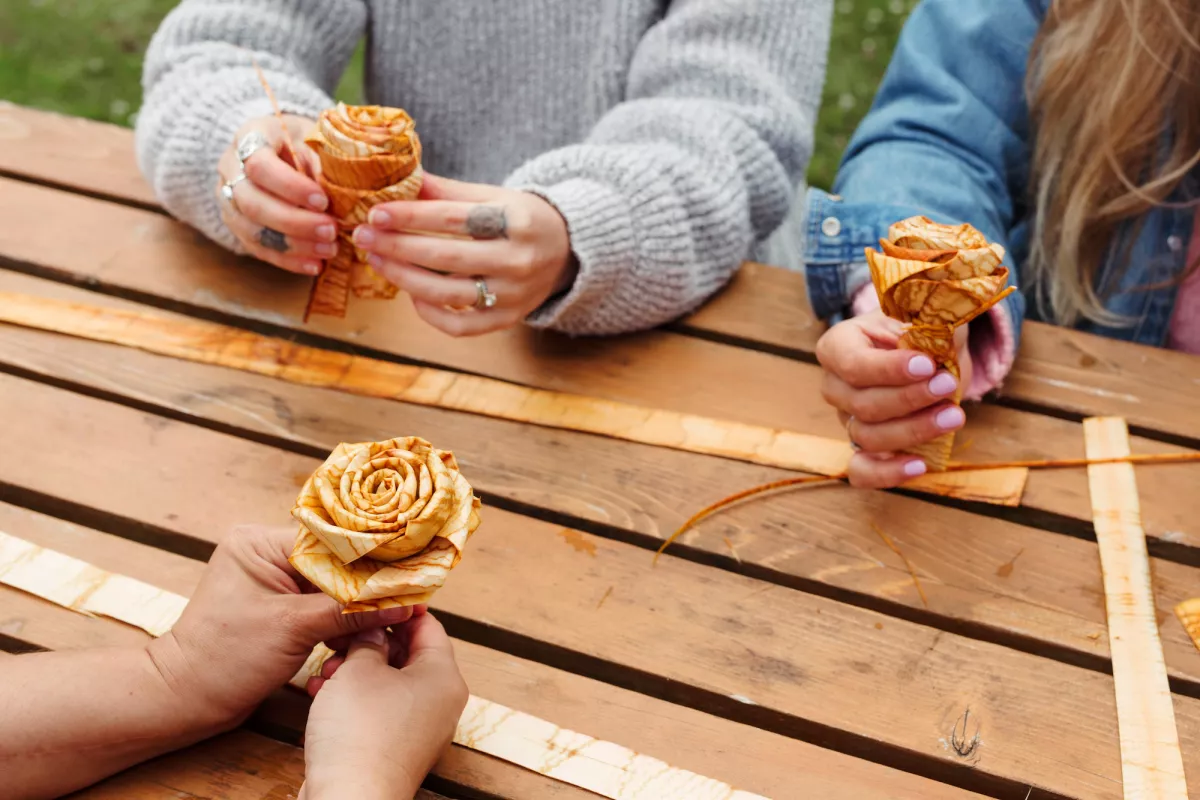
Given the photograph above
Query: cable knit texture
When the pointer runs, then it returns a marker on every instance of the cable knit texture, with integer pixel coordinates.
(671, 136)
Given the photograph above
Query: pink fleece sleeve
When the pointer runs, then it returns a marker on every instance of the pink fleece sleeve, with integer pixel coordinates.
(992, 343)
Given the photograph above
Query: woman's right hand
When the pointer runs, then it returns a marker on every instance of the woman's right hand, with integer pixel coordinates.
(889, 399)
(384, 712)
(278, 212)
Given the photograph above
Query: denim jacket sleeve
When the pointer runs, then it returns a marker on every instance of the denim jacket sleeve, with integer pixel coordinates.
(947, 137)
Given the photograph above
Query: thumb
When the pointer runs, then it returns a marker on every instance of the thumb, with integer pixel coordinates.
(368, 646)
(319, 618)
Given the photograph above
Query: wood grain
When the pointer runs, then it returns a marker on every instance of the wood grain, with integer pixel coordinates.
(1151, 764)
(764, 306)
(148, 253)
(85, 155)
(884, 682)
(1011, 580)
(751, 756)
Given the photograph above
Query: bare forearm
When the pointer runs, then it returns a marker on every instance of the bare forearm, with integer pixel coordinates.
(70, 719)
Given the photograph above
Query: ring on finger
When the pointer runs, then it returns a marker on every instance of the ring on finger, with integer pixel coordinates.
(227, 190)
(250, 144)
(484, 299)
(855, 446)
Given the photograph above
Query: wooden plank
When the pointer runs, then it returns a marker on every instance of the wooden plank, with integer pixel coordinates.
(1014, 581)
(880, 681)
(755, 757)
(764, 305)
(237, 766)
(82, 154)
(1151, 764)
(148, 253)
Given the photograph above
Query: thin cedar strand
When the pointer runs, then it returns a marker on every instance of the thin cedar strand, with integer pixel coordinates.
(787, 483)
(908, 564)
(286, 140)
(717, 506)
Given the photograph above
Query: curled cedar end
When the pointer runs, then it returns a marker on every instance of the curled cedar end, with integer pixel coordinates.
(369, 155)
(936, 278)
(1189, 615)
(383, 523)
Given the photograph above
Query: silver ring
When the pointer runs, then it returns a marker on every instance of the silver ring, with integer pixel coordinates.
(483, 298)
(227, 190)
(855, 446)
(250, 144)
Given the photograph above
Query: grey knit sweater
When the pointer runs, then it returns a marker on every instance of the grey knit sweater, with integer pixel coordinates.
(671, 135)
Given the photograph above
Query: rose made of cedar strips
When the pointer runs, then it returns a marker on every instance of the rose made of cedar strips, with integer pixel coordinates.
(383, 523)
(369, 155)
(936, 278)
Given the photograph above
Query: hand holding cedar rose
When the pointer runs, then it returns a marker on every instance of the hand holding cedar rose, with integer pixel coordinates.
(383, 523)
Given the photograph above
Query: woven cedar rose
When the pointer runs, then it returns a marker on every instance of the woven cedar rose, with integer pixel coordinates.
(369, 155)
(383, 523)
(936, 278)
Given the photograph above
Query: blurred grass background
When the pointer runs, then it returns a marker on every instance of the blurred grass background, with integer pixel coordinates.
(84, 57)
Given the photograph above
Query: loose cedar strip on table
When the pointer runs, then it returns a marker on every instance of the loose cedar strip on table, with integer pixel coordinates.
(764, 307)
(134, 251)
(1045, 723)
(995, 579)
(747, 755)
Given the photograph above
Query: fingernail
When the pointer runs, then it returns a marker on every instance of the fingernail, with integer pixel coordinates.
(330, 250)
(379, 217)
(374, 636)
(914, 468)
(942, 385)
(312, 268)
(920, 367)
(318, 201)
(396, 615)
(374, 260)
(949, 419)
(327, 232)
(364, 236)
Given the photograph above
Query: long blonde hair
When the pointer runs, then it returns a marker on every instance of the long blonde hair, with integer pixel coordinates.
(1114, 97)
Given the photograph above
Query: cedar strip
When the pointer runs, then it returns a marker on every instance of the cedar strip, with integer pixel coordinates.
(903, 685)
(221, 345)
(1151, 762)
(813, 537)
(764, 305)
(697, 739)
(653, 369)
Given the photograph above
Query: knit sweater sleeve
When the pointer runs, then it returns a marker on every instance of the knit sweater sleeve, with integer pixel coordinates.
(675, 185)
(200, 86)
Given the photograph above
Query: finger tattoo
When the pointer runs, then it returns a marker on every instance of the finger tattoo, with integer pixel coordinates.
(487, 222)
(273, 240)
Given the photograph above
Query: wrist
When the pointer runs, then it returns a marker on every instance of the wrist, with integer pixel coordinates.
(178, 686)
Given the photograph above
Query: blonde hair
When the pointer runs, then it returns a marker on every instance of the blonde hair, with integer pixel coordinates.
(1114, 97)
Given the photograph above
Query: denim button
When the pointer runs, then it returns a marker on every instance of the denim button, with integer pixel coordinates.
(831, 227)
(1175, 243)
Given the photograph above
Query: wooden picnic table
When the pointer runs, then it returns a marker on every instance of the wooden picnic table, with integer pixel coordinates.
(781, 647)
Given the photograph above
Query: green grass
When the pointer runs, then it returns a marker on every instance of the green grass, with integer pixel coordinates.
(84, 57)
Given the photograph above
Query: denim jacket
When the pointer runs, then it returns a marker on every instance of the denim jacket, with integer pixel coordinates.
(948, 137)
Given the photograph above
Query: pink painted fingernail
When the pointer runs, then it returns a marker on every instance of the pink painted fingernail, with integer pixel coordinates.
(312, 268)
(914, 469)
(951, 418)
(364, 236)
(379, 217)
(374, 260)
(326, 250)
(920, 367)
(942, 385)
(327, 232)
(318, 201)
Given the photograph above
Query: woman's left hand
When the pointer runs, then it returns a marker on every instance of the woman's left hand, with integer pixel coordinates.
(515, 242)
